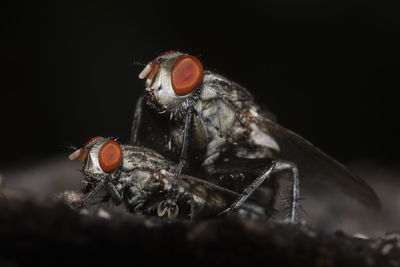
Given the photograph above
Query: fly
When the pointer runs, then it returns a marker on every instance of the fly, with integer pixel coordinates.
(141, 178)
(217, 120)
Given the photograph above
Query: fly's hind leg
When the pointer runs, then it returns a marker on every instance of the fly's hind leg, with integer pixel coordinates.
(274, 167)
(295, 187)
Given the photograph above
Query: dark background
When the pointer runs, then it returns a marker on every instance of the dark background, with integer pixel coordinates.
(327, 69)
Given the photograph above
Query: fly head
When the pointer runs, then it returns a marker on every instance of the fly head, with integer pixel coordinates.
(101, 157)
(173, 82)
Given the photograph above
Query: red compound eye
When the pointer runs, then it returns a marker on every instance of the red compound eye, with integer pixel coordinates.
(187, 73)
(110, 156)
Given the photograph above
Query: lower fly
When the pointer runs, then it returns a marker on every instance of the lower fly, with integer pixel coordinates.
(141, 179)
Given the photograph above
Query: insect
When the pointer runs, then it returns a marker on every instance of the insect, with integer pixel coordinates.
(140, 178)
(216, 120)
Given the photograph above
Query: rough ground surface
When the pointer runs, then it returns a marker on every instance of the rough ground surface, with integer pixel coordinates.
(324, 208)
(37, 230)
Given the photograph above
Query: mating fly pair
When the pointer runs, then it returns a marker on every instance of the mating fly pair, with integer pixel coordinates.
(214, 128)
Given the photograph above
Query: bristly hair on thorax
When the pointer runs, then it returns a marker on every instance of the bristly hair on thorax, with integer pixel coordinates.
(178, 108)
(181, 107)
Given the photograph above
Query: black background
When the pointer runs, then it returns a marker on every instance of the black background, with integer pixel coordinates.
(327, 69)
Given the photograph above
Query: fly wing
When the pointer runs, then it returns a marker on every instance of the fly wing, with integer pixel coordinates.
(315, 164)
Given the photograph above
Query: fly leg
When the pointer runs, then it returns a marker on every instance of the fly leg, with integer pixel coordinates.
(88, 197)
(275, 167)
(295, 194)
(116, 196)
(137, 119)
(173, 193)
(193, 210)
(185, 144)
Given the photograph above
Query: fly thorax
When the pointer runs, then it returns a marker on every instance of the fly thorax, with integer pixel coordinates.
(140, 158)
(177, 136)
(260, 137)
(260, 144)
(199, 133)
(218, 118)
(144, 179)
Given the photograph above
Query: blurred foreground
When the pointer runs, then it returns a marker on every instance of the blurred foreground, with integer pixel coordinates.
(323, 207)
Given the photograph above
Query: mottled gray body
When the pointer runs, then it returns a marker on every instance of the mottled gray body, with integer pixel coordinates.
(219, 117)
(225, 120)
(144, 178)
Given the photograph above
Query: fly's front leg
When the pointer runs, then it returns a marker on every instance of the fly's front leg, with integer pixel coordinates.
(137, 119)
(116, 195)
(89, 196)
(174, 191)
(185, 144)
(275, 167)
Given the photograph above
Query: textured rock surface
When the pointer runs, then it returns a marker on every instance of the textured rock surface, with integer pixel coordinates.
(41, 230)
(324, 209)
